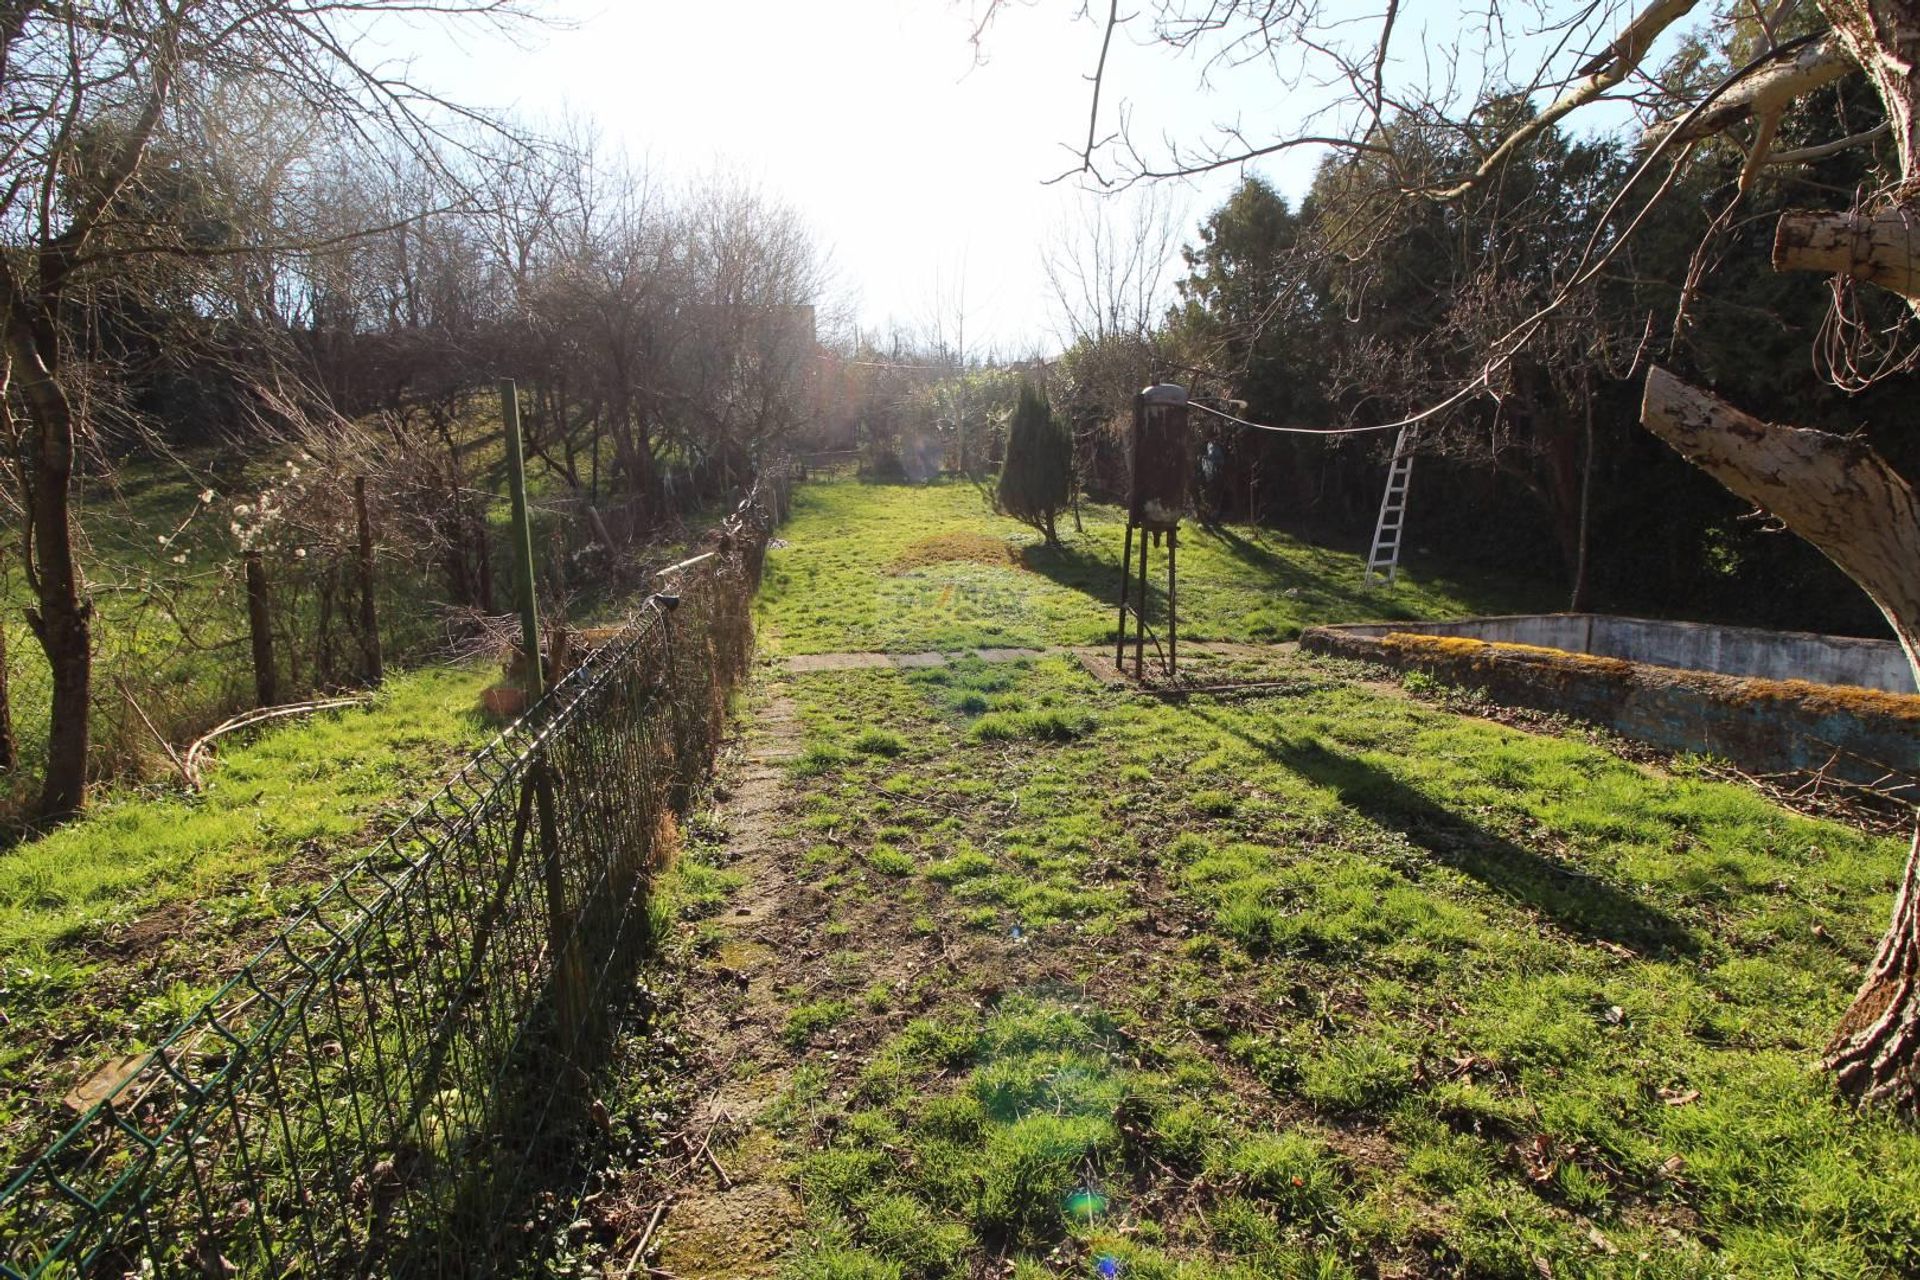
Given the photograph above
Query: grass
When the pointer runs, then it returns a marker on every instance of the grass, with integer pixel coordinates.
(112, 928)
(170, 632)
(296, 790)
(162, 566)
(145, 552)
(1360, 985)
(906, 568)
(1323, 981)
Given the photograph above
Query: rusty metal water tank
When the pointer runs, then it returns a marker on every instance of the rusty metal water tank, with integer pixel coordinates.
(1161, 456)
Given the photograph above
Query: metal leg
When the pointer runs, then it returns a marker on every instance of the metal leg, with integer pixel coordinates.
(1173, 603)
(1140, 617)
(1126, 588)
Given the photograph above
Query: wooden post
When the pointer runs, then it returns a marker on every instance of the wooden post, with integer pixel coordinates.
(476, 518)
(327, 588)
(369, 623)
(1126, 589)
(569, 967)
(266, 689)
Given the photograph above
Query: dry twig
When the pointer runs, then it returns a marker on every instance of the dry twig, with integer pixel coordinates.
(246, 719)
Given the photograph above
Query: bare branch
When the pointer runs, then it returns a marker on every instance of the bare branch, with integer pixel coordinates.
(1806, 155)
(1769, 89)
(1601, 74)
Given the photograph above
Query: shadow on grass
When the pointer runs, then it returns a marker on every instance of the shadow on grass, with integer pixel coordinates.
(1089, 563)
(1247, 551)
(1334, 599)
(1075, 565)
(1577, 901)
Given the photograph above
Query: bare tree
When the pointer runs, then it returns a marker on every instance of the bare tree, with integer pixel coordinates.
(88, 89)
(1109, 272)
(1109, 269)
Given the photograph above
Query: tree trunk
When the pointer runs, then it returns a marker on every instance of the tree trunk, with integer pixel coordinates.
(266, 689)
(369, 619)
(1876, 248)
(1875, 1052)
(1879, 245)
(8, 756)
(1834, 491)
(1841, 496)
(599, 526)
(62, 617)
(1883, 36)
(1578, 602)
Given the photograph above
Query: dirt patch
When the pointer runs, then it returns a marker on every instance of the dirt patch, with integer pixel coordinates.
(1205, 667)
(809, 663)
(200, 942)
(945, 548)
(1099, 664)
(149, 933)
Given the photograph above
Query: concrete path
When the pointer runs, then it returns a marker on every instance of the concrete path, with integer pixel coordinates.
(733, 1211)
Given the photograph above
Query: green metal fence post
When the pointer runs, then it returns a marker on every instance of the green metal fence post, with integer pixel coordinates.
(564, 946)
(522, 538)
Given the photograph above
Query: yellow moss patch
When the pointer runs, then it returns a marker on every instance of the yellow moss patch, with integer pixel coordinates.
(943, 548)
(1414, 645)
(1827, 699)
(1821, 699)
(1409, 642)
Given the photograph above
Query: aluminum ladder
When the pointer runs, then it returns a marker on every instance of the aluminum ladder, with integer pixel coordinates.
(1383, 560)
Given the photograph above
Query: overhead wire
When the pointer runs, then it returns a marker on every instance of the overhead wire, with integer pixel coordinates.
(1294, 431)
(1592, 261)
(887, 364)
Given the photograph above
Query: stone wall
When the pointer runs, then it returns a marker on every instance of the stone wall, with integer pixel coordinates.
(1764, 726)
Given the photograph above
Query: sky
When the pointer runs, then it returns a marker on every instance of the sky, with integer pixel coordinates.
(919, 161)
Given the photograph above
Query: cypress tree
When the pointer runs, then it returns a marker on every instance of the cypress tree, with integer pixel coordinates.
(1036, 479)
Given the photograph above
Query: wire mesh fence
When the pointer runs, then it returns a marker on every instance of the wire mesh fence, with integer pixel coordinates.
(372, 1094)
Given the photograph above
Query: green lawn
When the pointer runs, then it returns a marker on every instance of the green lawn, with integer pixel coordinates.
(200, 879)
(148, 551)
(1323, 981)
(163, 569)
(1326, 983)
(914, 567)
